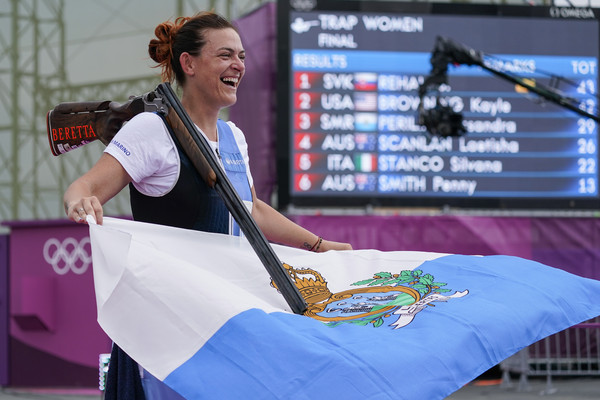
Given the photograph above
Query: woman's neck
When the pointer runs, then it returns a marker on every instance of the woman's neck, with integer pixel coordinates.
(201, 116)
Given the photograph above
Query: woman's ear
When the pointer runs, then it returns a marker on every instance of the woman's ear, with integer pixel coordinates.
(187, 63)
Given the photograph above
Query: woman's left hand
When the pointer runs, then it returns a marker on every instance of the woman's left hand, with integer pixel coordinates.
(331, 245)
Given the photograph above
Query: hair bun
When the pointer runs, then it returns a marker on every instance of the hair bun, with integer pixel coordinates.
(160, 49)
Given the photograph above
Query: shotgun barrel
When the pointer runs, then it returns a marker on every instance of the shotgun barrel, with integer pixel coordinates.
(233, 202)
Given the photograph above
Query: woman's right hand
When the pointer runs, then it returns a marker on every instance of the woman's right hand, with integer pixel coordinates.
(78, 210)
(86, 195)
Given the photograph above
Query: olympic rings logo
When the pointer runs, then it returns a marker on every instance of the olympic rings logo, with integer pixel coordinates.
(68, 255)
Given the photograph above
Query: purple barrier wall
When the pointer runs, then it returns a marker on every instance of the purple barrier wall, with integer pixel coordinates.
(54, 337)
(572, 244)
(3, 310)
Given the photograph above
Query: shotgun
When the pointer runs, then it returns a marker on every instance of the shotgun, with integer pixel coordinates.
(75, 124)
(72, 125)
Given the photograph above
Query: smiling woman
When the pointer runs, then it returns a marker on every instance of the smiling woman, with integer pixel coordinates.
(218, 71)
(204, 55)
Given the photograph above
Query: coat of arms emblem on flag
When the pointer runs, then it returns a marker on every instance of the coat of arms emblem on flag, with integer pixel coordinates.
(383, 296)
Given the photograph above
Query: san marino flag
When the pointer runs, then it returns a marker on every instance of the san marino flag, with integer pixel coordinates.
(199, 312)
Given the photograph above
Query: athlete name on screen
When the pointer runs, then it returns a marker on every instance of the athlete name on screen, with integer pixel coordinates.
(425, 163)
(397, 142)
(413, 183)
(396, 163)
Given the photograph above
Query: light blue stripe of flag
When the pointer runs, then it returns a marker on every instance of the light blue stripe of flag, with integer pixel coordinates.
(511, 303)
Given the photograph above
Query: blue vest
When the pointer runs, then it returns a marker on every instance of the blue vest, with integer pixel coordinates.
(234, 166)
(192, 204)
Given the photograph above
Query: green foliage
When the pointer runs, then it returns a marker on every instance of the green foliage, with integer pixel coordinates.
(423, 283)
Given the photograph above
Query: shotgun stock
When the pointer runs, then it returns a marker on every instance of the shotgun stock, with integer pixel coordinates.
(75, 124)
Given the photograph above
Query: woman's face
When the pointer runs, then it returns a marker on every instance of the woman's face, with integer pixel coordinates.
(220, 68)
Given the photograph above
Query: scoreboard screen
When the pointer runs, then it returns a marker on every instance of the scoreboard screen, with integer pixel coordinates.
(349, 74)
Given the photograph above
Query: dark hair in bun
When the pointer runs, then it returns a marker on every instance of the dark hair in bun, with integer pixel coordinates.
(185, 34)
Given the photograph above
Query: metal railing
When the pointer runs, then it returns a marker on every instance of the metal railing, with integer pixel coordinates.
(572, 352)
